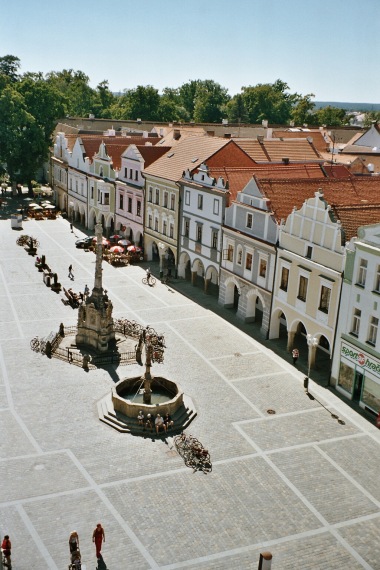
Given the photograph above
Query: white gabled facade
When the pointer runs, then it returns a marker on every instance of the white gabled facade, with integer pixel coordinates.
(249, 254)
(129, 202)
(59, 171)
(203, 201)
(310, 263)
(77, 180)
(356, 361)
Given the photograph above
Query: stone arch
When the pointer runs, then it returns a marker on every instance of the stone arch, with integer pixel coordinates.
(92, 219)
(232, 294)
(212, 281)
(198, 273)
(82, 215)
(278, 325)
(184, 266)
(255, 304)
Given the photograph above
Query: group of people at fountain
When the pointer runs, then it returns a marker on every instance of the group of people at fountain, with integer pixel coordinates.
(160, 423)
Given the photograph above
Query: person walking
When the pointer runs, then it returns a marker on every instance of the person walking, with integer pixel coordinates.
(6, 547)
(295, 355)
(71, 274)
(98, 537)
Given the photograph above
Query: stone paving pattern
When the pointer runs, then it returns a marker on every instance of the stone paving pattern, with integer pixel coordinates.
(296, 483)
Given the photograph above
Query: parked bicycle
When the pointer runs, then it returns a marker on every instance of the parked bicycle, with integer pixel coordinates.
(193, 453)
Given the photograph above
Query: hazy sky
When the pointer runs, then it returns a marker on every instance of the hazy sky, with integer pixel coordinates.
(327, 47)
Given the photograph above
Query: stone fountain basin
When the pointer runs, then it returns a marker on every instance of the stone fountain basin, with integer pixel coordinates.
(131, 409)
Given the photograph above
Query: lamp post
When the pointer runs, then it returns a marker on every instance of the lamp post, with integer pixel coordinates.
(312, 343)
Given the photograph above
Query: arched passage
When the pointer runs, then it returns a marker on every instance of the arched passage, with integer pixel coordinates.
(198, 274)
(212, 281)
(184, 266)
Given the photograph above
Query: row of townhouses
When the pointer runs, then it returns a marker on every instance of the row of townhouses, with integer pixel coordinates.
(286, 239)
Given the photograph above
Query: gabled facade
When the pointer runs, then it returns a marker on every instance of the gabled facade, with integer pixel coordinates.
(162, 197)
(203, 201)
(310, 263)
(58, 171)
(247, 269)
(356, 362)
(129, 212)
(101, 191)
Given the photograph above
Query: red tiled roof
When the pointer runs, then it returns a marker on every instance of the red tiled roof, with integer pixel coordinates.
(344, 195)
(115, 146)
(151, 153)
(317, 136)
(272, 150)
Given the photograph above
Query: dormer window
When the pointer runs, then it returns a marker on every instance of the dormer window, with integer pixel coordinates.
(101, 171)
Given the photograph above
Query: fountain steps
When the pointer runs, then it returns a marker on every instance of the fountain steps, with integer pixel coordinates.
(118, 421)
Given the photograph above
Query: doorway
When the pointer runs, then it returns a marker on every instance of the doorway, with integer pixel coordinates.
(358, 384)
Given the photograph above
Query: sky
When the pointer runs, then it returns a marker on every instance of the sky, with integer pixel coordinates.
(330, 48)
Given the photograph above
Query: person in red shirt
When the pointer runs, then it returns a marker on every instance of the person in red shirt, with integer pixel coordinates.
(98, 537)
(6, 547)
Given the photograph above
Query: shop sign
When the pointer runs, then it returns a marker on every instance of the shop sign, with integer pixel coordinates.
(361, 359)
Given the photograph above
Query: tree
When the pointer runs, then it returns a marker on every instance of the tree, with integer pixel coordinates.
(105, 100)
(235, 110)
(74, 85)
(44, 102)
(9, 66)
(187, 92)
(171, 108)
(143, 103)
(210, 99)
(269, 101)
(371, 117)
(22, 140)
(331, 116)
(302, 110)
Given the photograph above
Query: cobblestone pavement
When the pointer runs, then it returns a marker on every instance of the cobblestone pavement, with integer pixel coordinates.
(296, 483)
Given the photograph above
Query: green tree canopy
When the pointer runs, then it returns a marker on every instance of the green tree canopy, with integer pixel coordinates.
(331, 116)
(9, 66)
(269, 101)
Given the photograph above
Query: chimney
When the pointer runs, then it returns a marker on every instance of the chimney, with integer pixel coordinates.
(285, 160)
(176, 134)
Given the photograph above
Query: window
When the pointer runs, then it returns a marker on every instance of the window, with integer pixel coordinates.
(157, 197)
(165, 199)
(131, 173)
(239, 256)
(377, 280)
(372, 332)
(200, 202)
(125, 172)
(76, 185)
(214, 239)
(249, 222)
(362, 272)
(129, 204)
(172, 202)
(81, 188)
(164, 227)
(138, 208)
(150, 221)
(248, 261)
(156, 224)
(150, 195)
(92, 192)
(136, 175)
(284, 279)
(356, 322)
(302, 288)
(230, 253)
(216, 206)
(186, 228)
(101, 171)
(106, 199)
(187, 198)
(199, 233)
(324, 300)
(309, 252)
(121, 201)
(171, 230)
(263, 268)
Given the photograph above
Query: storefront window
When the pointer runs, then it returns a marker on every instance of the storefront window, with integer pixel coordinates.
(346, 377)
(371, 394)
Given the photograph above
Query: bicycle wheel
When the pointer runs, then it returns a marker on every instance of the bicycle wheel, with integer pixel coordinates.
(152, 281)
(144, 280)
